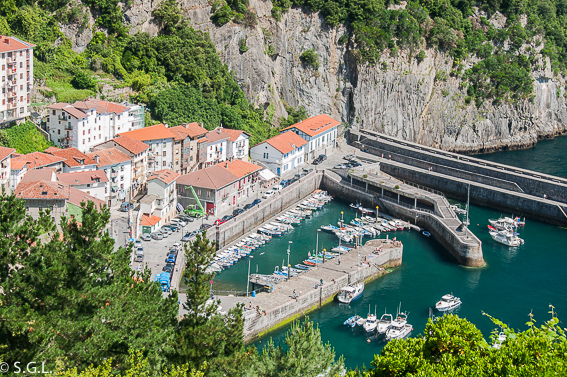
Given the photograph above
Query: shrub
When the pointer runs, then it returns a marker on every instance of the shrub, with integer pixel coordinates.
(420, 56)
(311, 58)
(83, 80)
(242, 46)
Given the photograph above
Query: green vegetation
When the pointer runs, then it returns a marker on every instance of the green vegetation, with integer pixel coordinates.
(242, 46)
(24, 138)
(311, 58)
(83, 80)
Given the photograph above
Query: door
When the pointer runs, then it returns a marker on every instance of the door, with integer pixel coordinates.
(278, 171)
(210, 208)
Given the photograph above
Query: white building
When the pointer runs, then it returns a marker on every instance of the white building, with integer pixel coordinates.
(85, 124)
(16, 59)
(17, 171)
(5, 168)
(118, 168)
(238, 144)
(320, 132)
(160, 141)
(162, 195)
(75, 160)
(282, 153)
(94, 183)
(216, 146)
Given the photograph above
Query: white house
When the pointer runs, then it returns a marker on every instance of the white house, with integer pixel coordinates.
(160, 141)
(94, 183)
(16, 59)
(216, 146)
(5, 168)
(238, 144)
(320, 132)
(84, 124)
(118, 168)
(17, 171)
(282, 153)
(75, 160)
(162, 194)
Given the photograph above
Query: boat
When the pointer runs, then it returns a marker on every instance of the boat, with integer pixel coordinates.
(400, 328)
(329, 228)
(426, 233)
(302, 267)
(384, 323)
(341, 249)
(371, 322)
(365, 211)
(458, 210)
(448, 302)
(350, 293)
(351, 322)
(506, 237)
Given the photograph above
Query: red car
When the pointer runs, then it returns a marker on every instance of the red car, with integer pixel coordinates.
(219, 222)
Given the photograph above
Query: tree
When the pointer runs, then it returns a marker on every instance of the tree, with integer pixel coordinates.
(168, 14)
(83, 80)
(420, 56)
(311, 58)
(4, 138)
(304, 354)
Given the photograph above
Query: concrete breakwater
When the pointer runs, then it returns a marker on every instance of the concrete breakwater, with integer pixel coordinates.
(268, 311)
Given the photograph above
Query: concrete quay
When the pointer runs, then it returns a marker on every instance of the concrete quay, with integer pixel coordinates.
(280, 307)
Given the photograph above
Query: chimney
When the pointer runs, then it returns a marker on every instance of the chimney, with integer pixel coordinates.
(7, 41)
(226, 165)
(96, 158)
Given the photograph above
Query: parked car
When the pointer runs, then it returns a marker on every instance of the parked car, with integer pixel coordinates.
(139, 258)
(268, 193)
(172, 227)
(179, 221)
(309, 170)
(170, 258)
(166, 229)
(248, 206)
(227, 217)
(187, 237)
(178, 246)
(256, 202)
(137, 243)
(124, 207)
(204, 226)
(168, 268)
(292, 180)
(342, 166)
(172, 251)
(186, 218)
(355, 163)
(237, 212)
(349, 157)
(219, 222)
(319, 159)
(157, 236)
(140, 251)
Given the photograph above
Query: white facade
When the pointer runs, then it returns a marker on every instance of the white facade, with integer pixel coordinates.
(16, 60)
(166, 193)
(216, 152)
(239, 148)
(120, 182)
(96, 189)
(5, 173)
(279, 163)
(160, 154)
(85, 124)
(16, 175)
(318, 144)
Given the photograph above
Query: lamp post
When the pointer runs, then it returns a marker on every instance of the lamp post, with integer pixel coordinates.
(317, 245)
(342, 218)
(324, 254)
(248, 277)
(377, 213)
(288, 252)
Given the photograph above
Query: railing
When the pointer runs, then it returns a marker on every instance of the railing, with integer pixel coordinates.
(402, 204)
(69, 128)
(428, 189)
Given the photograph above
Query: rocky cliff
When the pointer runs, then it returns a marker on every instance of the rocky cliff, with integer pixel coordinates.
(398, 97)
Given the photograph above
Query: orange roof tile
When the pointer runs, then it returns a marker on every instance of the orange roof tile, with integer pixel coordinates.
(82, 177)
(102, 107)
(43, 174)
(234, 134)
(286, 141)
(18, 165)
(77, 196)
(180, 132)
(315, 125)
(149, 220)
(38, 159)
(240, 168)
(110, 156)
(73, 157)
(58, 105)
(5, 152)
(216, 135)
(194, 129)
(166, 175)
(213, 177)
(159, 131)
(132, 145)
(11, 44)
(51, 149)
(42, 190)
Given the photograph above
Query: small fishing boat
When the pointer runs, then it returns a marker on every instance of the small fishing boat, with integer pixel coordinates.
(351, 322)
(302, 267)
(350, 293)
(458, 210)
(371, 322)
(384, 323)
(400, 328)
(506, 237)
(341, 249)
(329, 228)
(448, 302)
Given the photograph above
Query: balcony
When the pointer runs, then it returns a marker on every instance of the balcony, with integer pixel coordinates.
(11, 84)
(11, 59)
(69, 127)
(11, 94)
(68, 138)
(62, 117)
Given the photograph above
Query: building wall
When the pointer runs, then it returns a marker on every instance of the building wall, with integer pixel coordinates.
(216, 152)
(17, 79)
(73, 169)
(167, 198)
(160, 154)
(16, 176)
(119, 175)
(318, 144)
(97, 189)
(5, 174)
(240, 147)
(177, 156)
(277, 162)
(57, 207)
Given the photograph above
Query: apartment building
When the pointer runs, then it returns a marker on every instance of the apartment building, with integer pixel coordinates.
(320, 132)
(282, 153)
(216, 146)
(85, 124)
(186, 146)
(238, 144)
(163, 186)
(5, 169)
(94, 183)
(160, 141)
(118, 168)
(16, 59)
(74, 160)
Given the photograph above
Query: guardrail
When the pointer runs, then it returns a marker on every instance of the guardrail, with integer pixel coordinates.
(413, 208)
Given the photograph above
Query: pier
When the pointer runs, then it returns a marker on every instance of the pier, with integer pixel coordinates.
(268, 311)
(518, 191)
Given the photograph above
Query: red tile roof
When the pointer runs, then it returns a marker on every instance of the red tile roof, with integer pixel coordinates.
(315, 125)
(11, 44)
(166, 175)
(159, 131)
(213, 177)
(17, 165)
(194, 129)
(110, 156)
(42, 190)
(73, 157)
(102, 107)
(43, 174)
(5, 152)
(149, 220)
(51, 149)
(38, 159)
(82, 177)
(75, 112)
(240, 168)
(180, 132)
(77, 196)
(216, 135)
(58, 105)
(132, 145)
(234, 134)
(286, 141)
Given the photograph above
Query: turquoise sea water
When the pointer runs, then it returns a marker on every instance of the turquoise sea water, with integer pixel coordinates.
(514, 282)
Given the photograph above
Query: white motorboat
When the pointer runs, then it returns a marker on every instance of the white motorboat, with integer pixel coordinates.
(384, 323)
(341, 249)
(448, 302)
(371, 322)
(361, 321)
(329, 228)
(458, 210)
(506, 237)
(350, 293)
(400, 328)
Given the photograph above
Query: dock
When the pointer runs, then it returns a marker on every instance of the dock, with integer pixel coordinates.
(270, 310)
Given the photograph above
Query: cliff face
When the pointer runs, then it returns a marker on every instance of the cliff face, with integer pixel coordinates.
(402, 99)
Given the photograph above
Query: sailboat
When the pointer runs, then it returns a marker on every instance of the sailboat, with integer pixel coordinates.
(351, 292)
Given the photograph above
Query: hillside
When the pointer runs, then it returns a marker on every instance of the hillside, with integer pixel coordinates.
(460, 76)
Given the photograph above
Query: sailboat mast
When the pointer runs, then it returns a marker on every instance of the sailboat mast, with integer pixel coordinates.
(467, 220)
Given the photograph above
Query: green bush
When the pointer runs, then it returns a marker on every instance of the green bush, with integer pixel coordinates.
(83, 80)
(420, 56)
(311, 58)
(242, 46)
(26, 138)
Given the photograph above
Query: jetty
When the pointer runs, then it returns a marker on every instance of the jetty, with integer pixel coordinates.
(277, 306)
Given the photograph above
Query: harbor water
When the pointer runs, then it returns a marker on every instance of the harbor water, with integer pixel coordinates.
(514, 282)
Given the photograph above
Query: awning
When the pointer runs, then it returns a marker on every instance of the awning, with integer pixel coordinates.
(266, 175)
(179, 207)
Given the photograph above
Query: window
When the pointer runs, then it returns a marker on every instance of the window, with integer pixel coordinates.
(164, 164)
(21, 75)
(208, 194)
(89, 131)
(21, 110)
(3, 67)
(89, 139)
(83, 132)
(99, 128)
(21, 64)
(164, 153)
(58, 132)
